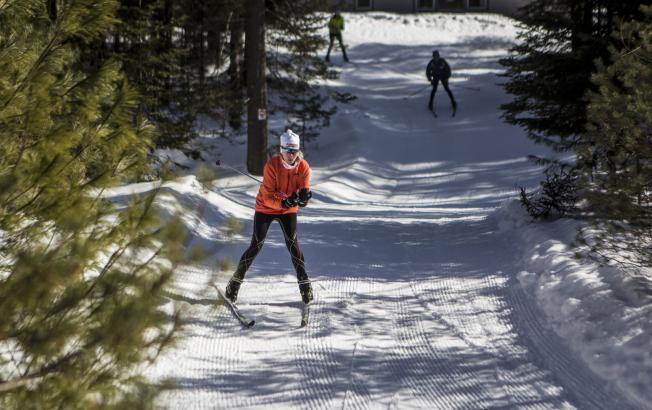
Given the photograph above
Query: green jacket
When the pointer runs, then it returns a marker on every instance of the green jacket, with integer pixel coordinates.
(336, 24)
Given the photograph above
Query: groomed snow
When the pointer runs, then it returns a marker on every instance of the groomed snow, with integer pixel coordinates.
(433, 289)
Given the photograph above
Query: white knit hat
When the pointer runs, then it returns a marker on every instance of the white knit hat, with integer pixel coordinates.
(290, 140)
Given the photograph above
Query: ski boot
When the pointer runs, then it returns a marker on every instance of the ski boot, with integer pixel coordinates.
(232, 289)
(306, 292)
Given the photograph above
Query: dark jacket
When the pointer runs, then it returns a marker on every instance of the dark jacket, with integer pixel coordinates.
(439, 70)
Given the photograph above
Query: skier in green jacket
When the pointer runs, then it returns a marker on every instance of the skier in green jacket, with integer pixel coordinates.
(335, 28)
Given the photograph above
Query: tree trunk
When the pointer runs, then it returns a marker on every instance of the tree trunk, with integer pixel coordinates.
(215, 38)
(201, 67)
(116, 42)
(52, 9)
(167, 46)
(256, 86)
(236, 80)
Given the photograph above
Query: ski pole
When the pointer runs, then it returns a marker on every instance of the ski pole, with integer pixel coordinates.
(467, 87)
(219, 164)
(416, 92)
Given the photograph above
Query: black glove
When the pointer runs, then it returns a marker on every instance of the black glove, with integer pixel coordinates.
(304, 196)
(290, 201)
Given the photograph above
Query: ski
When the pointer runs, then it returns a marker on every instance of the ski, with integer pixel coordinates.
(305, 314)
(234, 309)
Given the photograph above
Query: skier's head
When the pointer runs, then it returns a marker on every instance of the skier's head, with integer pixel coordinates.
(290, 140)
(290, 146)
(435, 54)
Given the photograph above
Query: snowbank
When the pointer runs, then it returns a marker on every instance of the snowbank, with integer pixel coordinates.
(599, 311)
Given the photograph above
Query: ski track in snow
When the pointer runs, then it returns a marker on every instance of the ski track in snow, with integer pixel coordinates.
(416, 299)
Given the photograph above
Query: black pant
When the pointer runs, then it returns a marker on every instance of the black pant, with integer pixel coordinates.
(444, 82)
(333, 36)
(262, 222)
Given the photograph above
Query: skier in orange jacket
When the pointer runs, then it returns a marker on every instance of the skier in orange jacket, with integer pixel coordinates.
(285, 188)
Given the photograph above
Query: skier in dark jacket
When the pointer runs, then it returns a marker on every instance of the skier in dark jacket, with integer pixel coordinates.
(335, 28)
(439, 70)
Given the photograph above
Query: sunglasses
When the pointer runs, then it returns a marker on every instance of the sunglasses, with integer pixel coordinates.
(289, 150)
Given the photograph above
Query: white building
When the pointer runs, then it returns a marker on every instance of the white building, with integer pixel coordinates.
(414, 6)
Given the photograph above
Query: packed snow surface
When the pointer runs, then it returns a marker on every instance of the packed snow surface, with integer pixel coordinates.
(432, 287)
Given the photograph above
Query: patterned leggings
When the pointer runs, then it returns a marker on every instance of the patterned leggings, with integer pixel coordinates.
(444, 82)
(262, 222)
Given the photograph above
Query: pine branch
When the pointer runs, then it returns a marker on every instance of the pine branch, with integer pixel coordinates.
(34, 183)
(9, 385)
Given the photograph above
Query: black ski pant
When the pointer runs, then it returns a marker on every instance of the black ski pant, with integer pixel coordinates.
(262, 222)
(444, 82)
(333, 36)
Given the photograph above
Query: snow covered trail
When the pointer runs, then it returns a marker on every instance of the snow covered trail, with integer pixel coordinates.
(417, 302)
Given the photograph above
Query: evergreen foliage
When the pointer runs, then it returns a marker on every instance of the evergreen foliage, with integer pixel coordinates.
(550, 69)
(80, 282)
(156, 60)
(173, 52)
(186, 58)
(236, 80)
(617, 149)
(549, 75)
(558, 194)
(294, 65)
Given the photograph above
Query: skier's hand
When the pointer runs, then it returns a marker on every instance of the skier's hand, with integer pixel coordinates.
(290, 201)
(304, 196)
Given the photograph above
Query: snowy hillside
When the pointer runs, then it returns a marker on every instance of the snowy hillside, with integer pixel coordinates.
(432, 289)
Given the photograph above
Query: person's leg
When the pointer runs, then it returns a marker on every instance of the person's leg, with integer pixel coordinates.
(330, 46)
(444, 82)
(435, 83)
(288, 224)
(261, 226)
(339, 38)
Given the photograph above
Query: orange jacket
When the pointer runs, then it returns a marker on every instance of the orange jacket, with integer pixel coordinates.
(276, 179)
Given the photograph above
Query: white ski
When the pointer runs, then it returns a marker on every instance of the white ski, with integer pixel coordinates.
(234, 309)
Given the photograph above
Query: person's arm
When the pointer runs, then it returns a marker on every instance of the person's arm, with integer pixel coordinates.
(305, 178)
(304, 187)
(447, 69)
(429, 71)
(271, 196)
(333, 25)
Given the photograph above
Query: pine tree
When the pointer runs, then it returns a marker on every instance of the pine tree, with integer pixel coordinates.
(236, 79)
(81, 282)
(618, 145)
(549, 75)
(295, 41)
(175, 54)
(256, 68)
(158, 62)
(550, 69)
